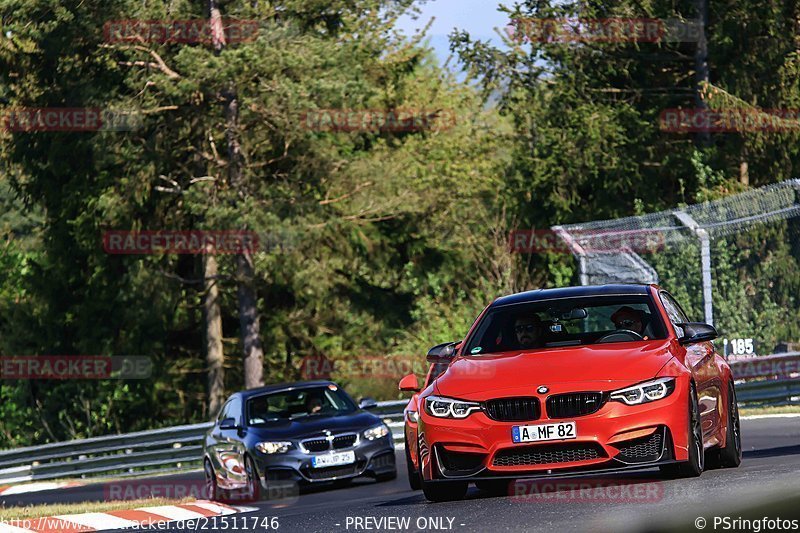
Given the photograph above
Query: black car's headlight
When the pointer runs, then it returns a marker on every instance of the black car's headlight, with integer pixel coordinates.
(273, 447)
(441, 407)
(649, 391)
(377, 432)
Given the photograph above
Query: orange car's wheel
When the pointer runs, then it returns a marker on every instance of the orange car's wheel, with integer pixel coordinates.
(443, 491)
(414, 480)
(731, 455)
(696, 463)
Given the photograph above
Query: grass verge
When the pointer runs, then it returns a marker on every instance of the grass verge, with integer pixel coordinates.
(777, 410)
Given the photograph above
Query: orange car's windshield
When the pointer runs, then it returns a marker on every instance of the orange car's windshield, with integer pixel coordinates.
(566, 322)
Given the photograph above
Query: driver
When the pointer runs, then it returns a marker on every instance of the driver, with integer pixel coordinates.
(629, 318)
(313, 404)
(528, 330)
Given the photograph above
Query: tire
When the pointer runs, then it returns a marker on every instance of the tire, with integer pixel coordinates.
(731, 455)
(696, 463)
(444, 491)
(253, 490)
(213, 492)
(414, 480)
(495, 487)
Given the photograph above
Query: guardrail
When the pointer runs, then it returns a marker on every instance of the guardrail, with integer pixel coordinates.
(172, 449)
(768, 379)
(764, 380)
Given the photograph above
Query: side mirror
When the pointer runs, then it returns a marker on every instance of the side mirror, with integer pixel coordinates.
(367, 403)
(694, 332)
(228, 423)
(442, 353)
(409, 383)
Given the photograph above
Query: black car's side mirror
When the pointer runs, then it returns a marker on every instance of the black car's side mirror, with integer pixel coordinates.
(367, 403)
(442, 353)
(694, 332)
(228, 423)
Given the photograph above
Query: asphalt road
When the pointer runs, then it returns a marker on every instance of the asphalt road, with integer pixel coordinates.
(632, 501)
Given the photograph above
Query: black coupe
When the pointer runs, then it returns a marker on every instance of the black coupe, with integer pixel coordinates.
(306, 432)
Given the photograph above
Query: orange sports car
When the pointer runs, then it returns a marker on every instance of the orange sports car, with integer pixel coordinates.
(579, 379)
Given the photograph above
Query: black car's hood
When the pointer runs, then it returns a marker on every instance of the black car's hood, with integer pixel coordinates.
(315, 425)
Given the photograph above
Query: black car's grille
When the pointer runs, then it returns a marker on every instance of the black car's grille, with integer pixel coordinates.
(338, 442)
(574, 404)
(344, 441)
(642, 450)
(548, 454)
(316, 445)
(513, 409)
(321, 474)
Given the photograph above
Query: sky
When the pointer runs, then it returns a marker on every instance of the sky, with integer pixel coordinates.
(478, 17)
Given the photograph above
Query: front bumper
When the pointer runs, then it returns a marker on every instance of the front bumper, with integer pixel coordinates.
(373, 458)
(617, 436)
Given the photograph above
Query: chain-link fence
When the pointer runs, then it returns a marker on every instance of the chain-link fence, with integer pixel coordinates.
(733, 262)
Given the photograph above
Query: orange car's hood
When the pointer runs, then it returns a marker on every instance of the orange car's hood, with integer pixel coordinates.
(593, 367)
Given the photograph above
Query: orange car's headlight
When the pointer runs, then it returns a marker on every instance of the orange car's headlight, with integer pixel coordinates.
(442, 407)
(649, 391)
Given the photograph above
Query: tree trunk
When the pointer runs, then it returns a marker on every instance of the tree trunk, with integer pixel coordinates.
(253, 353)
(701, 66)
(250, 324)
(215, 355)
(248, 300)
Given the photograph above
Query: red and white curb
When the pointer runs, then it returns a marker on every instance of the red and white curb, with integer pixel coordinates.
(124, 519)
(7, 490)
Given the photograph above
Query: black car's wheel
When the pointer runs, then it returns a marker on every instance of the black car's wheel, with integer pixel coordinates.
(213, 492)
(495, 487)
(731, 455)
(253, 489)
(696, 463)
(413, 474)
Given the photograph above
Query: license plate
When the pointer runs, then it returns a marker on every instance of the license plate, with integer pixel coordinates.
(333, 459)
(543, 432)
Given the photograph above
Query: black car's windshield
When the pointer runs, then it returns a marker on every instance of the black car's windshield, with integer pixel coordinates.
(327, 400)
(566, 322)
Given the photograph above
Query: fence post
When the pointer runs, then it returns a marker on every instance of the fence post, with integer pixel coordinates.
(705, 261)
(705, 258)
(577, 250)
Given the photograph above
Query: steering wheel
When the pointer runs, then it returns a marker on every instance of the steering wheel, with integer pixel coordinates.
(620, 335)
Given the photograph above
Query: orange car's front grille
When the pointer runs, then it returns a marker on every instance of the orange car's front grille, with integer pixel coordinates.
(513, 409)
(574, 404)
(548, 454)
